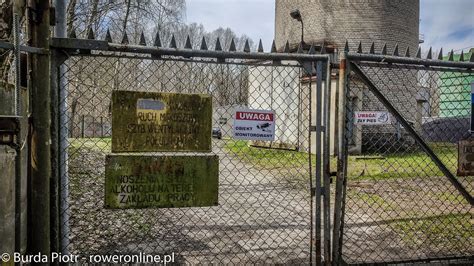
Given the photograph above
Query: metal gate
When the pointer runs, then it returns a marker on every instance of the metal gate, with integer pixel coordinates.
(266, 208)
(398, 198)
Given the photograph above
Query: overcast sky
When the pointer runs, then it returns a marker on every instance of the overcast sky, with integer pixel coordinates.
(444, 23)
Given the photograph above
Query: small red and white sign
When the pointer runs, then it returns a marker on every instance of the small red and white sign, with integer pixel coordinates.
(372, 118)
(250, 124)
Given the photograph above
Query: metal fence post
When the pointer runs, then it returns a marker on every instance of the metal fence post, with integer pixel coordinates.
(326, 164)
(319, 109)
(41, 132)
(341, 157)
(63, 182)
(19, 155)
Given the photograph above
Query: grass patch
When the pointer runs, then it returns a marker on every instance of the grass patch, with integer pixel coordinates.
(95, 144)
(405, 165)
(267, 158)
(373, 200)
(451, 197)
(452, 229)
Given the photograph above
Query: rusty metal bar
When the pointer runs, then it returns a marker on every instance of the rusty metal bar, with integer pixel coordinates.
(23, 48)
(41, 133)
(326, 165)
(341, 161)
(408, 127)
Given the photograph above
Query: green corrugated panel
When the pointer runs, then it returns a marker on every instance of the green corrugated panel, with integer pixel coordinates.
(455, 91)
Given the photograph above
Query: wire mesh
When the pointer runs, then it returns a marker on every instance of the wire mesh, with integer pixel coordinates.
(264, 211)
(399, 205)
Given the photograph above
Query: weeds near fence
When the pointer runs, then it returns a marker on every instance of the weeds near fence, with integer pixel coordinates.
(403, 165)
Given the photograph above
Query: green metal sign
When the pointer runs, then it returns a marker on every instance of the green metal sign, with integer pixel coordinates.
(142, 181)
(151, 121)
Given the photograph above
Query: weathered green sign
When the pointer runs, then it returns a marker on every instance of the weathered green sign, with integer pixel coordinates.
(145, 181)
(155, 121)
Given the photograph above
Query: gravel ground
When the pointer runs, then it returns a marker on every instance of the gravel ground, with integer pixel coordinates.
(261, 217)
(399, 220)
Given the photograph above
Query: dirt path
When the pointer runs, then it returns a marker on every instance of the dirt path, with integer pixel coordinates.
(261, 218)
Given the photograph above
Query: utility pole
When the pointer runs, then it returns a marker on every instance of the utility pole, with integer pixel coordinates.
(39, 33)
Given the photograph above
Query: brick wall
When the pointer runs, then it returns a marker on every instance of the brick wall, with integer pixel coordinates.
(334, 21)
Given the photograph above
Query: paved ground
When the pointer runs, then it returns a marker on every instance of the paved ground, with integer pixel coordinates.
(261, 218)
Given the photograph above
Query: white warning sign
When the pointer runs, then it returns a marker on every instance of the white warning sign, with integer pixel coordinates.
(254, 124)
(372, 118)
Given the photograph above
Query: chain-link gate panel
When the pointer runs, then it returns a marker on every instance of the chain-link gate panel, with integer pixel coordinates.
(264, 211)
(399, 205)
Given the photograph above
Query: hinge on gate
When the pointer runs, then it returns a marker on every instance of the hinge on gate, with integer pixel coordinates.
(321, 191)
(313, 128)
(52, 16)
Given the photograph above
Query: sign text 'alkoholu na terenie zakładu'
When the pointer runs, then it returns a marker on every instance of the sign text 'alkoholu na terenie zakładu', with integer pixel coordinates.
(143, 181)
(153, 121)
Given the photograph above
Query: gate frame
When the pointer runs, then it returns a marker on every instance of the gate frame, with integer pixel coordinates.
(63, 48)
(349, 64)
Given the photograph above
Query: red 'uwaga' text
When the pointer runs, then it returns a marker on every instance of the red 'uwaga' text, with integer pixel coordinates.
(254, 116)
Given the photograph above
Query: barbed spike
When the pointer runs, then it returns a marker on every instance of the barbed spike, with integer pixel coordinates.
(203, 43)
(461, 58)
(418, 53)
(407, 52)
(157, 42)
(247, 46)
(142, 39)
(429, 56)
(232, 46)
(287, 47)
(72, 34)
(300, 48)
(173, 42)
(384, 49)
(359, 48)
(125, 38)
(108, 36)
(218, 45)
(188, 44)
(312, 49)
(395, 51)
(440, 55)
(346, 46)
(273, 49)
(372, 48)
(260, 46)
(90, 34)
(451, 55)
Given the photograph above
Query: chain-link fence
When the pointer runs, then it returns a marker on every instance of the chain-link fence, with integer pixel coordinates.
(264, 210)
(399, 205)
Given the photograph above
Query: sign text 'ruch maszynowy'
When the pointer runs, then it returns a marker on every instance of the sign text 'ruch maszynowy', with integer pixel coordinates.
(144, 181)
(155, 121)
